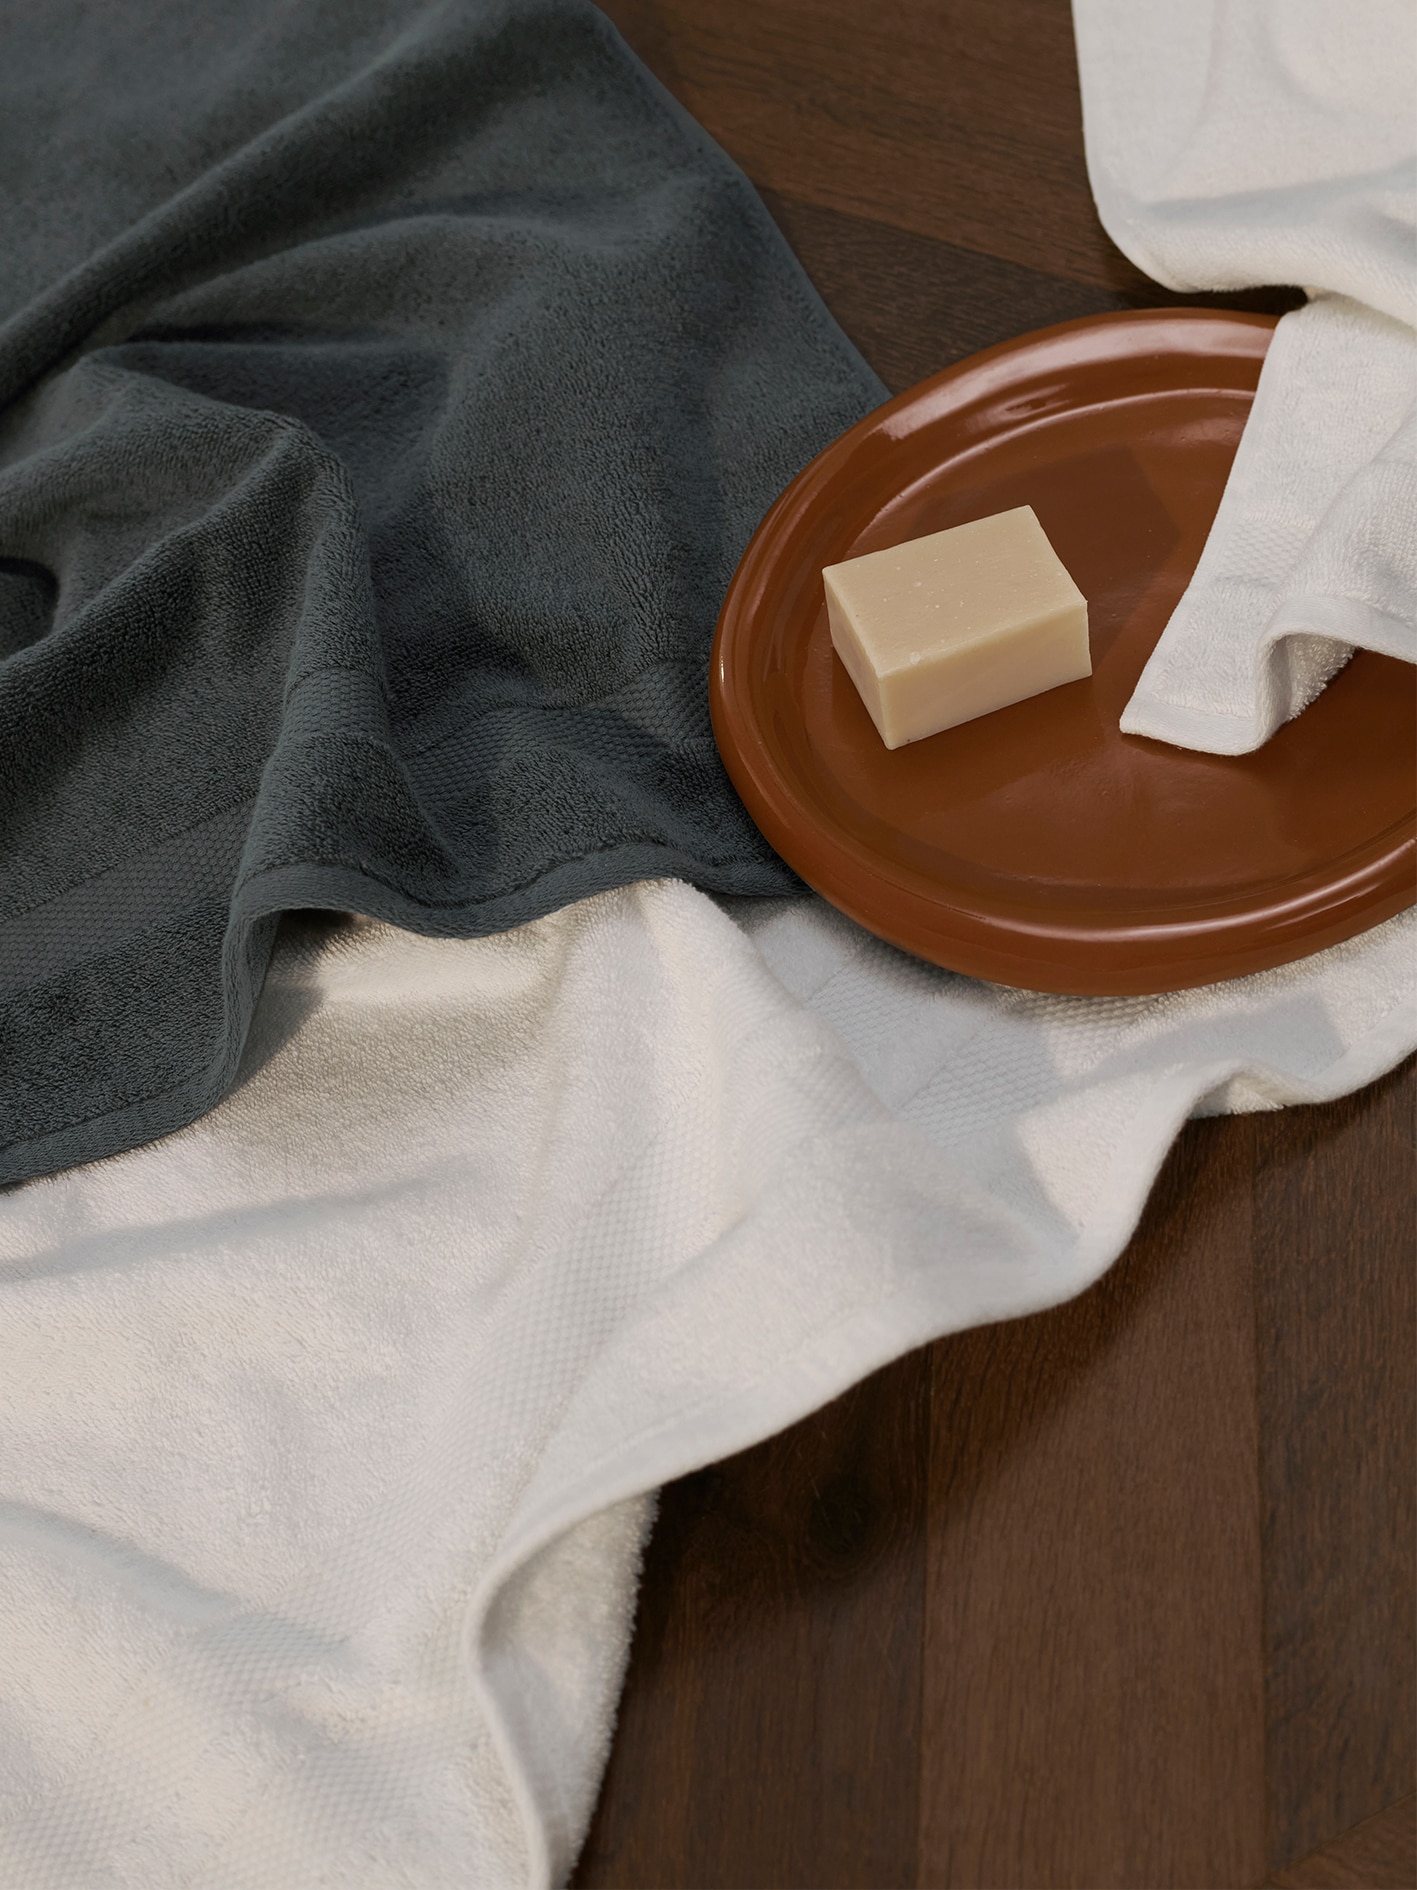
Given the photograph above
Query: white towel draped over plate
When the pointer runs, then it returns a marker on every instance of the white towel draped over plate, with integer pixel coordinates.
(326, 1423)
(1235, 143)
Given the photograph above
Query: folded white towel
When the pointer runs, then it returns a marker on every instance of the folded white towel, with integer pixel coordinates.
(325, 1424)
(1232, 143)
(1315, 546)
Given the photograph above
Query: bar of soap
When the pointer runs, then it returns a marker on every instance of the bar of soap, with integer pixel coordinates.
(944, 628)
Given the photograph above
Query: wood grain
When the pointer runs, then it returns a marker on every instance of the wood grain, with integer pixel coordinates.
(1335, 1211)
(1094, 1687)
(959, 121)
(1379, 1854)
(769, 1732)
(913, 304)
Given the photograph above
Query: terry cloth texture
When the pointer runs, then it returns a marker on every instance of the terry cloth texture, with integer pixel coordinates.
(1232, 143)
(386, 394)
(325, 1423)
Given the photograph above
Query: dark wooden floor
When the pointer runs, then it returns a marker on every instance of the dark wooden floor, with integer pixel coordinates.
(1121, 1595)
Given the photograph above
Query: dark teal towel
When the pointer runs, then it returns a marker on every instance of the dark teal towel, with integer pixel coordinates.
(386, 395)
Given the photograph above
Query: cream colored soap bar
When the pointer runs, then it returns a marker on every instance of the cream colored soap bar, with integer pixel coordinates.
(944, 628)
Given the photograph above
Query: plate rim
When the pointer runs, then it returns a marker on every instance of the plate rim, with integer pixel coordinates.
(955, 937)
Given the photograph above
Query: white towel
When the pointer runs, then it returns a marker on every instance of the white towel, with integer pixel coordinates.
(1232, 143)
(326, 1424)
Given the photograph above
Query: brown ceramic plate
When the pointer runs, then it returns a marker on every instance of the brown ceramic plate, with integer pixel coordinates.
(1038, 846)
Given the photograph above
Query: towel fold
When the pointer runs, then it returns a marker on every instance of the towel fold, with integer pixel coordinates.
(326, 1423)
(1247, 142)
(1314, 550)
(387, 392)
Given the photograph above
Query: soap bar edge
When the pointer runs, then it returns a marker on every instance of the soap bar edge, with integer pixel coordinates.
(895, 701)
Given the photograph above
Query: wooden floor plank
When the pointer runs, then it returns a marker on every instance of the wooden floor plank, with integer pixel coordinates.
(1379, 1854)
(960, 121)
(769, 1729)
(1336, 1242)
(914, 304)
(1093, 1709)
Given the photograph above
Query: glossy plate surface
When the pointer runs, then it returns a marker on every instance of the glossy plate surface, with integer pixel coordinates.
(1038, 846)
